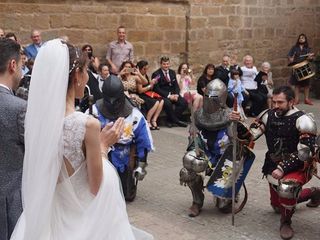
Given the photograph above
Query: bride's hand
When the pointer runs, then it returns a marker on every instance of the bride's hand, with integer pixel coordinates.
(111, 133)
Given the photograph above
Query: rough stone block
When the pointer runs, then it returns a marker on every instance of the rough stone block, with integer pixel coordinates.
(174, 35)
(167, 22)
(268, 11)
(108, 21)
(129, 21)
(53, 8)
(40, 22)
(146, 22)
(139, 50)
(245, 33)
(74, 36)
(180, 23)
(218, 21)
(166, 48)
(228, 33)
(258, 33)
(138, 9)
(259, 22)
(226, 10)
(153, 48)
(158, 9)
(156, 36)
(192, 35)
(80, 21)
(195, 10)
(177, 10)
(250, 2)
(56, 21)
(233, 2)
(247, 22)
(116, 9)
(208, 11)
(198, 22)
(253, 11)
(269, 32)
(19, 8)
(136, 36)
(90, 36)
(235, 21)
(51, 34)
(242, 10)
(178, 47)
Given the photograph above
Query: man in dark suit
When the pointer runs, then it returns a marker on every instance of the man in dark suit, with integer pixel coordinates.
(12, 113)
(168, 87)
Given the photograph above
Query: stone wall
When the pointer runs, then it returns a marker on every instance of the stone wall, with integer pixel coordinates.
(266, 29)
(199, 31)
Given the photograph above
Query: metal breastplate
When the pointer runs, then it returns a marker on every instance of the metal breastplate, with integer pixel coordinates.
(281, 133)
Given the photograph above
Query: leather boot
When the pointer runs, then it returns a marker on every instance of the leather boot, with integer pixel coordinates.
(286, 231)
(194, 210)
(314, 198)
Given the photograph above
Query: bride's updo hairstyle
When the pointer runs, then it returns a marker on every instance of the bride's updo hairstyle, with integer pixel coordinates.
(77, 59)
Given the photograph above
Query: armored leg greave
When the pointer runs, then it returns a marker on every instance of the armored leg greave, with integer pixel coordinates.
(196, 187)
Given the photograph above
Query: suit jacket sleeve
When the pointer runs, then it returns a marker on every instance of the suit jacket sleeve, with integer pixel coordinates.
(20, 122)
(157, 87)
(28, 51)
(176, 88)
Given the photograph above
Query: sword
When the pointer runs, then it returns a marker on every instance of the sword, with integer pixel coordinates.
(234, 155)
(193, 129)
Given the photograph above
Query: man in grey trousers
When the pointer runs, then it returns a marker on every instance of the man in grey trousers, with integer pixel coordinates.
(12, 113)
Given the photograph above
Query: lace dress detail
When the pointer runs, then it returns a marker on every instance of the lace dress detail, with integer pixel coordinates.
(74, 129)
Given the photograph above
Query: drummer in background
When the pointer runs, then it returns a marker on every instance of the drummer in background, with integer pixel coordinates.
(298, 53)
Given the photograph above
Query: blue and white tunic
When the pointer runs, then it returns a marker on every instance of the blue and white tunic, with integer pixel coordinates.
(136, 131)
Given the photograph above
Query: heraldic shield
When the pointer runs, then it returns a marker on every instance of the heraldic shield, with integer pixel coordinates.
(220, 182)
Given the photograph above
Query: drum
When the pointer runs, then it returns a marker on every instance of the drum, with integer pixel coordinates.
(302, 70)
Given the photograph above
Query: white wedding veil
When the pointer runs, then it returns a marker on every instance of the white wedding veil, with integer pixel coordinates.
(43, 133)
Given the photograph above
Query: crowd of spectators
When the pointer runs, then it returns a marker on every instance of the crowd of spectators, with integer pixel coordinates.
(167, 90)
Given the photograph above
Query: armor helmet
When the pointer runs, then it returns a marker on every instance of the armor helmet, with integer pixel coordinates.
(215, 96)
(114, 103)
(194, 163)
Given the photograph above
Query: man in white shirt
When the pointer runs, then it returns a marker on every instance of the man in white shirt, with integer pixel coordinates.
(119, 51)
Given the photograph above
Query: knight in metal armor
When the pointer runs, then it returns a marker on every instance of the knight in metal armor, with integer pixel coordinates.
(210, 138)
(290, 159)
(129, 154)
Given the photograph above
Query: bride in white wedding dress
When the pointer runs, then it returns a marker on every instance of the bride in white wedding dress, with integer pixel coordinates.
(70, 191)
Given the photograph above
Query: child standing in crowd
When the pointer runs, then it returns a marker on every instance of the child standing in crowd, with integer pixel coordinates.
(235, 87)
(185, 80)
(268, 82)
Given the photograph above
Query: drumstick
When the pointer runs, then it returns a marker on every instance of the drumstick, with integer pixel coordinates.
(305, 55)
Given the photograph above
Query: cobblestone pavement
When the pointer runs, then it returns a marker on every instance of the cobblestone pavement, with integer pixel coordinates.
(161, 204)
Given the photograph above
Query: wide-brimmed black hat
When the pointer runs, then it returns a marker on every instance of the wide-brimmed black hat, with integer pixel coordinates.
(114, 103)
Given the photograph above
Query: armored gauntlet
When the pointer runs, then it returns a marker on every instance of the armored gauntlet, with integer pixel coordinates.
(140, 171)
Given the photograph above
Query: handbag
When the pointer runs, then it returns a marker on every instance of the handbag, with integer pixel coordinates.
(153, 94)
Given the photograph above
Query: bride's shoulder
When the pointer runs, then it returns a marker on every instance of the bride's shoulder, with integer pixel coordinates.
(93, 124)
